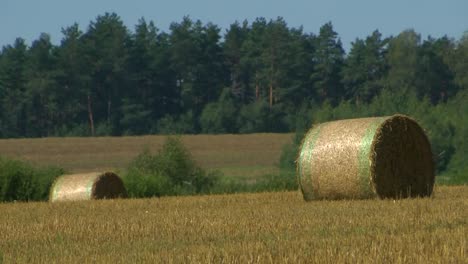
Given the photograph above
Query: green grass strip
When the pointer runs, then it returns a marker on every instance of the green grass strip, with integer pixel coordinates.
(305, 179)
(364, 151)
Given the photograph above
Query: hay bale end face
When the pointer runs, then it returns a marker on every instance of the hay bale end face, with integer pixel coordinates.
(88, 186)
(385, 157)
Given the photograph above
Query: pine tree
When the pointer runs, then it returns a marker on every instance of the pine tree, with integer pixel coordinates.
(364, 68)
(41, 89)
(239, 76)
(328, 59)
(13, 70)
(402, 58)
(106, 43)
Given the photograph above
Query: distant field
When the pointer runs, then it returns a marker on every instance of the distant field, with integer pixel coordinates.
(243, 228)
(235, 155)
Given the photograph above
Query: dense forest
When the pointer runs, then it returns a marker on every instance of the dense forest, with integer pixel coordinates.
(262, 76)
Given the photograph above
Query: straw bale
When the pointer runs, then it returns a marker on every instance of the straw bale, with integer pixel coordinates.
(87, 186)
(385, 157)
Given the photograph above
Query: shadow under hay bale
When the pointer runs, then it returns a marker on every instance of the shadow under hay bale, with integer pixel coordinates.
(88, 186)
(385, 157)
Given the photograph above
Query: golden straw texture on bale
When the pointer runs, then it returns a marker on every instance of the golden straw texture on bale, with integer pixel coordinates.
(386, 157)
(88, 186)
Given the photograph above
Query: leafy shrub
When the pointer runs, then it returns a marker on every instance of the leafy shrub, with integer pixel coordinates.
(20, 181)
(172, 171)
(284, 181)
(134, 117)
(220, 116)
(103, 129)
(170, 125)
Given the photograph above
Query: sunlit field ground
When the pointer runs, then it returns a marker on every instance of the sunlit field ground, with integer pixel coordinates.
(235, 155)
(240, 228)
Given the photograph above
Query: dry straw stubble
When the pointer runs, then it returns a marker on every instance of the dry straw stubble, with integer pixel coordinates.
(87, 186)
(386, 157)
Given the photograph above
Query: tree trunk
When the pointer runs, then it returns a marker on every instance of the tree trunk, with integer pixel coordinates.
(90, 115)
(257, 89)
(271, 95)
(257, 92)
(109, 103)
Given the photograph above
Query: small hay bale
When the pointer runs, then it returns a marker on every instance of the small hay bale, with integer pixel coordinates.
(88, 186)
(385, 157)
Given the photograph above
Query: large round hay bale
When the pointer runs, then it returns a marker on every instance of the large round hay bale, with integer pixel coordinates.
(386, 157)
(87, 186)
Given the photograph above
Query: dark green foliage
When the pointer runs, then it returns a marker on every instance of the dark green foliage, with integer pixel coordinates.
(20, 181)
(288, 157)
(445, 125)
(254, 117)
(170, 125)
(457, 111)
(13, 67)
(196, 57)
(143, 178)
(365, 66)
(262, 76)
(220, 117)
(259, 116)
(172, 171)
(106, 53)
(458, 177)
(434, 78)
(329, 60)
(284, 181)
(134, 118)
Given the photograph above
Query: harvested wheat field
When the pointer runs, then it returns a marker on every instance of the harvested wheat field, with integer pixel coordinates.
(244, 228)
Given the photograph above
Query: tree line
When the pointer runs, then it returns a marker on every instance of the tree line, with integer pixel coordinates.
(262, 76)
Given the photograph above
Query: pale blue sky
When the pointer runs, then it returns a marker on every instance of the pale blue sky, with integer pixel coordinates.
(351, 19)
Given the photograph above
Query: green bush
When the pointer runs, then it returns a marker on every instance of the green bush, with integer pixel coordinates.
(454, 177)
(170, 125)
(220, 117)
(284, 181)
(172, 171)
(20, 181)
(290, 152)
(260, 117)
